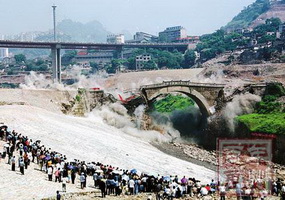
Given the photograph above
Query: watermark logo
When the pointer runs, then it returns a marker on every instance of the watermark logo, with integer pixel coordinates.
(245, 162)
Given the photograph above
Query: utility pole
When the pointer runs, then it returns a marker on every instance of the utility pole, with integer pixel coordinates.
(55, 53)
(54, 23)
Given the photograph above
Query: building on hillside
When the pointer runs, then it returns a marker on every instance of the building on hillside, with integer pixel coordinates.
(4, 53)
(282, 28)
(141, 37)
(116, 39)
(99, 57)
(141, 59)
(188, 39)
(171, 34)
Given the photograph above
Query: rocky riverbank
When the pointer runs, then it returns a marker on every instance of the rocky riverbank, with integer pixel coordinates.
(195, 154)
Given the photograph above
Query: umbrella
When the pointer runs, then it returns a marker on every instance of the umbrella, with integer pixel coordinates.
(117, 172)
(133, 171)
(3, 126)
(138, 173)
(47, 158)
(166, 178)
(155, 175)
(70, 167)
(125, 177)
(99, 171)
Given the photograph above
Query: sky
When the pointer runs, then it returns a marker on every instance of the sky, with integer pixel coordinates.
(151, 16)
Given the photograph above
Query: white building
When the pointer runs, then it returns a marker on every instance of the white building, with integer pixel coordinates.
(116, 39)
(171, 34)
(4, 53)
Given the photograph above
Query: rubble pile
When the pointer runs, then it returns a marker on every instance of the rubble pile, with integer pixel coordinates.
(195, 152)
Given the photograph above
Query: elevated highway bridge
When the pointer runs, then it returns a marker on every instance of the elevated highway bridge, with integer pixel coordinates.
(57, 46)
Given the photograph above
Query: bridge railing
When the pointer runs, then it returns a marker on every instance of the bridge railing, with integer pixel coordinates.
(180, 83)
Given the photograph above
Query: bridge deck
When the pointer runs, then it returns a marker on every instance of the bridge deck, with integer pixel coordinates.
(182, 83)
(78, 45)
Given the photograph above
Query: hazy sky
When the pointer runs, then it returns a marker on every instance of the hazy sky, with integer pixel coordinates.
(152, 16)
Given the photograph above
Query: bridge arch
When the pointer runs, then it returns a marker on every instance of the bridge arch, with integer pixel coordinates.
(199, 99)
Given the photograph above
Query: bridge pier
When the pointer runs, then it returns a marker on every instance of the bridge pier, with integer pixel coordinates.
(56, 63)
(120, 54)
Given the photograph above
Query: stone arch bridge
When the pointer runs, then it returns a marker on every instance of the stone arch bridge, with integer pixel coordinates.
(208, 96)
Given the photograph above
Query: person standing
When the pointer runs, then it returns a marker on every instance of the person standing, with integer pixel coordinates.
(222, 190)
(82, 180)
(95, 176)
(21, 165)
(13, 163)
(64, 181)
(283, 191)
(58, 196)
(73, 175)
(102, 187)
(131, 186)
(57, 175)
(50, 172)
(26, 160)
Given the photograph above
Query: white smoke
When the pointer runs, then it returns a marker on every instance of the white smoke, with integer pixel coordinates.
(41, 81)
(116, 115)
(139, 112)
(241, 104)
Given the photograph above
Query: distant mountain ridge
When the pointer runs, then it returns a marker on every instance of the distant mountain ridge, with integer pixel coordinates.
(257, 13)
(92, 31)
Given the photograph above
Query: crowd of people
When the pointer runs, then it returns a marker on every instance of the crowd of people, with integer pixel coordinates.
(112, 180)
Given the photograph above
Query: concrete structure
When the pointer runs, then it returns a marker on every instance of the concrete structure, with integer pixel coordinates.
(4, 53)
(57, 46)
(141, 37)
(97, 57)
(209, 97)
(116, 39)
(172, 34)
(141, 59)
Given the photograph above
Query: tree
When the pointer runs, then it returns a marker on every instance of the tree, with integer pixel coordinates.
(189, 58)
(150, 65)
(66, 59)
(94, 67)
(20, 58)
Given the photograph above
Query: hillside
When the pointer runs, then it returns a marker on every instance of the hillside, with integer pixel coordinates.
(90, 32)
(276, 11)
(257, 13)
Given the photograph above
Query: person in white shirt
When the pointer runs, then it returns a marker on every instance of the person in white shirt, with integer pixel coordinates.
(50, 172)
(131, 186)
(204, 191)
(222, 190)
(64, 180)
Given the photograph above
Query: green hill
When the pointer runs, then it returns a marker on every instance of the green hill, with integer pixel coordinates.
(248, 15)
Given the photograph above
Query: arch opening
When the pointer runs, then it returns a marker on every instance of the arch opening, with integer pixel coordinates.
(190, 121)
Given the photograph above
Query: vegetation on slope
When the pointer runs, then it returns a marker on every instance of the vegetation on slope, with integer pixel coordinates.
(273, 123)
(269, 114)
(220, 41)
(171, 103)
(248, 14)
